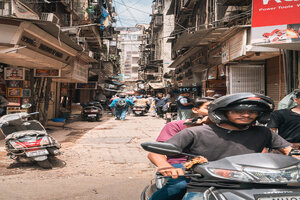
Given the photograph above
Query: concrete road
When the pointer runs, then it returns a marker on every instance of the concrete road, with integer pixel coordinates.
(100, 160)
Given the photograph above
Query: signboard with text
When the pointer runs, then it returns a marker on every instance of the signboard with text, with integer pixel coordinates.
(275, 22)
(275, 12)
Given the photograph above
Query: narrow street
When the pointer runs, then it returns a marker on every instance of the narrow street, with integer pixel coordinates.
(100, 160)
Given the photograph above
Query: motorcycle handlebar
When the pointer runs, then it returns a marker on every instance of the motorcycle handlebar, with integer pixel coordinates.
(187, 174)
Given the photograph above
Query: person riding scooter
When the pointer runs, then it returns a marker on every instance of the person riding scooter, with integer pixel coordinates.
(141, 106)
(232, 132)
(175, 188)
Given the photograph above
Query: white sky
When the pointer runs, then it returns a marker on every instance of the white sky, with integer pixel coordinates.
(131, 12)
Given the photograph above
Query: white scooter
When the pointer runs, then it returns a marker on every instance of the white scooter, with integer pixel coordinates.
(27, 140)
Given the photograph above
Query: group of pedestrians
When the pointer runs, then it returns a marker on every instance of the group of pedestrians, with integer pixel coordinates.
(230, 125)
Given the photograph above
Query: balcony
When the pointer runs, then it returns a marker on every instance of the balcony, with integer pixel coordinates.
(158, 22)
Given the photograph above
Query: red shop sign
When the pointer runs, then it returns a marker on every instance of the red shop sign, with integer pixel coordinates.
(275, 12)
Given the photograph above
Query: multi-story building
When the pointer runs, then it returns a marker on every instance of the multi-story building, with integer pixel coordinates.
(51, 45)
(155, 48)
(212, 50)
(128, 43)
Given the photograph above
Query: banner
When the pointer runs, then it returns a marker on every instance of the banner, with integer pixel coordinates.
(275, 12)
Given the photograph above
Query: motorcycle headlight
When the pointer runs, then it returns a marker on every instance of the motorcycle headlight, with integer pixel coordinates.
(231, 174)
(15, 145)
(260, 175)
(285, 175)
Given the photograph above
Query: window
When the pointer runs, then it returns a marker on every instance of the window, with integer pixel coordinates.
(135, 60)
(1, 5)
(135, 70)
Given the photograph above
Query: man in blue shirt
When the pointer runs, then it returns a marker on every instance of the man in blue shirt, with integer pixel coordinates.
(185, 106)
(160, 102)
(121, 105)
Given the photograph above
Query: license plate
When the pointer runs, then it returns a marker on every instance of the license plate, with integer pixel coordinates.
(93, 115)
(138, 112)
(40, 152)
(297, 197)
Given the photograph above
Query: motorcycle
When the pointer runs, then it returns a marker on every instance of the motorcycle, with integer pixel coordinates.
(92, 111)
(171, 112)
(255, 176)
(27, 140)
(139, 110)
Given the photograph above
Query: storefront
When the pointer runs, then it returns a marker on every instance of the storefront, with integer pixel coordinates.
(32, 54)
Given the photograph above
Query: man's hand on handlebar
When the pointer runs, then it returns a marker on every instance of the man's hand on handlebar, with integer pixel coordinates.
(171, 171)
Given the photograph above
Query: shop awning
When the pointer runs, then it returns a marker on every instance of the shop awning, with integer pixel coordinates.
(156, 85)
(35, 44)
(288, 46)
(201, 37)
(114, 82)
(195, 41)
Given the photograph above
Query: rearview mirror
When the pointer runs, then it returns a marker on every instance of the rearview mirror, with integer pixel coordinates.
(26, 105)
(162, 148)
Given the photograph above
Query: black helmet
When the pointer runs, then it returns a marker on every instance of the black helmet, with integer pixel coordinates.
(241, 101)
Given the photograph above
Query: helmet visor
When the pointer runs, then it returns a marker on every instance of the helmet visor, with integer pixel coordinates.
(252, 107)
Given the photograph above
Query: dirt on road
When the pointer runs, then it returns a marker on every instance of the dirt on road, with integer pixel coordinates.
(100, 160)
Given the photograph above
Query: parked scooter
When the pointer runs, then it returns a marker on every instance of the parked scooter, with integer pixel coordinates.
(256, 176)
(140, 110)
(27, 140)
(92, 111)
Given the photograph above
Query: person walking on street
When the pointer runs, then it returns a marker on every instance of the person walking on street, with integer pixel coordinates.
(121, 107)
(131, 98)
(176, 188)
(152, 107)
(232, 132)
(286, 122)
(159, 103)
(184, 110)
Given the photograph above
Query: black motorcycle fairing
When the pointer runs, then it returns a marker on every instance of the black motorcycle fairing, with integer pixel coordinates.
(259, 160)
(238, 163)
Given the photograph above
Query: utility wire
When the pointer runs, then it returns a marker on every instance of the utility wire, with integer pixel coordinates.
(142, 11)
(130, 12)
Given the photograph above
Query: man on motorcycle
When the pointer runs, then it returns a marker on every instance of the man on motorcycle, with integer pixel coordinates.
(142, 102)
(176, 188)
(232, 132)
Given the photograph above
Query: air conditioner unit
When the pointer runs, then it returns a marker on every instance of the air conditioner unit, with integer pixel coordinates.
(81, 39)
(50, 17)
